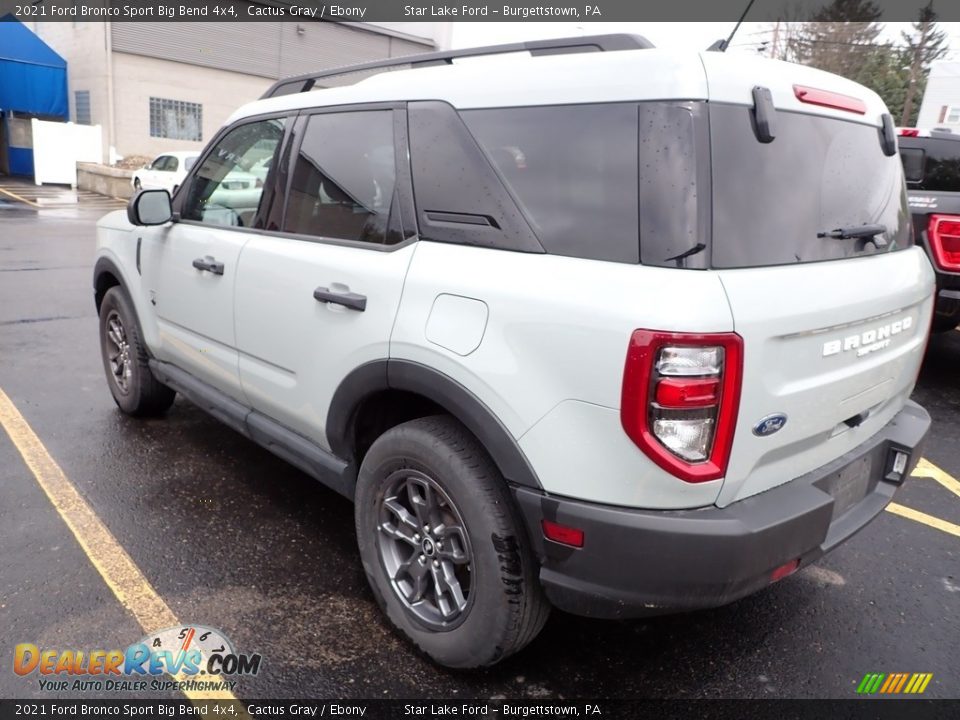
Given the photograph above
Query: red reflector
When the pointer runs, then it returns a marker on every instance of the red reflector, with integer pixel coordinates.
(781, 572)
(908, 132)
(943, 234)
(825, 98)
(688, 392)
(562, 534)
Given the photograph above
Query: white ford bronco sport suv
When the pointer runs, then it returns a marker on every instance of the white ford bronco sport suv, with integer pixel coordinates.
(623, 332)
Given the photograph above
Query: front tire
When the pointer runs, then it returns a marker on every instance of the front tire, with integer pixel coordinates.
(125, 361)
(447, 559)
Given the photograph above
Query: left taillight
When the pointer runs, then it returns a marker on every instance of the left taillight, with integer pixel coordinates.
(680, 396)
(943, 235)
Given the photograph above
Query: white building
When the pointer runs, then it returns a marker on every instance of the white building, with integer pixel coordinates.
(941, 100)
(156, 87)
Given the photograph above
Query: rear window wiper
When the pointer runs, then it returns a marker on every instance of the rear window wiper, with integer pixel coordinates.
(857, 231)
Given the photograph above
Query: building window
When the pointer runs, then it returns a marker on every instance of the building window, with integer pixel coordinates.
(81, 104)
(176, 119)
(950, 114)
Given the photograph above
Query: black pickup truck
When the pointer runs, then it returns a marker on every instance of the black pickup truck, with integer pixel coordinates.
(931, 163)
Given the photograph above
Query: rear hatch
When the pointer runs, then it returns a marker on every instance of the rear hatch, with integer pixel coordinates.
(834, 327)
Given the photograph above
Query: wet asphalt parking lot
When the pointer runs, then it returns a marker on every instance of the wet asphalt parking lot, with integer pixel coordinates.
(231, 537)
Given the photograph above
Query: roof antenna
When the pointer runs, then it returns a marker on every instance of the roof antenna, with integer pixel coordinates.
(722, 45)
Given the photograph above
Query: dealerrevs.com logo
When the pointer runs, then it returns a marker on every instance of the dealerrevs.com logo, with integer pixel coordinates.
(197, 657)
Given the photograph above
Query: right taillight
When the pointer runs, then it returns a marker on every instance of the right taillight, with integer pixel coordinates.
(680, 397)
(943, 234)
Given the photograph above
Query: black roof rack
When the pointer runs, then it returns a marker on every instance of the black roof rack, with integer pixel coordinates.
(559, 46)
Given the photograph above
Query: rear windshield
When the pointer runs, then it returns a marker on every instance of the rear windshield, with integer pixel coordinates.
(931, 164)
(771, 200)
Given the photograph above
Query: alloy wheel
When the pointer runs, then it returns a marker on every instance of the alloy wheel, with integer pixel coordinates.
(117, 349)
(425, 549)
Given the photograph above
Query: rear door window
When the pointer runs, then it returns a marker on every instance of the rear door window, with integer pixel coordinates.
(344, 178)
(772, 200)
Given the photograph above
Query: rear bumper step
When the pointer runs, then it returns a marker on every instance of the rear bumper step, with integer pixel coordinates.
(640, 562)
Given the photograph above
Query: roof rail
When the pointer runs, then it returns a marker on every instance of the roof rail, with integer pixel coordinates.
(559, 46)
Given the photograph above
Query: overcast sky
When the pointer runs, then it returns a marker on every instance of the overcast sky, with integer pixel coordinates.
(667, 34)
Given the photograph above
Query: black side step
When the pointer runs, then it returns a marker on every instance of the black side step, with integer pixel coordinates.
(297, 450)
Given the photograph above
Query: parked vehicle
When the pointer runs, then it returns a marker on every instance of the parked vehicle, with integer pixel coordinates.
(166, 172)
(621, 347)
(931, 163)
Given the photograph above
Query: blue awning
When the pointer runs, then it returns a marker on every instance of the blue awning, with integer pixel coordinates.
(33, 78)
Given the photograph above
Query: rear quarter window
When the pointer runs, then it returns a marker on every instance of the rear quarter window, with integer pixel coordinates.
(573, 172)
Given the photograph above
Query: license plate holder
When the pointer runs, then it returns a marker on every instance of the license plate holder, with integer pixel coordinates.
(850, 484)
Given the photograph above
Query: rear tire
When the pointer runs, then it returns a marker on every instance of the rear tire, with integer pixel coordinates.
(125, 361)
(464, 589)
(136, 184)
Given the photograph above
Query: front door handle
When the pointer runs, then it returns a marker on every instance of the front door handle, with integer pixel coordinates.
(354, 301)
(209, 264)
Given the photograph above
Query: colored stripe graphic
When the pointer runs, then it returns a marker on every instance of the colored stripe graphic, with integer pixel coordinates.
(894, 683)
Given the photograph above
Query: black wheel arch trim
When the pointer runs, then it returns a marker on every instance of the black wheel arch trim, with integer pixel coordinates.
(103, 266)
(406, 375)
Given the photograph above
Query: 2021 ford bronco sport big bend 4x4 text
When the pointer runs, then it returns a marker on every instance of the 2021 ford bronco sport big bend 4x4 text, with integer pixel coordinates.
(622, 332)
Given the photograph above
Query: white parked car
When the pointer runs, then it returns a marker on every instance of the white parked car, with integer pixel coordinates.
(623, 332)
(166, 172)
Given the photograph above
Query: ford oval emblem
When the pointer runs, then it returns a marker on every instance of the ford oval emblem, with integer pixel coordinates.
(770, 424)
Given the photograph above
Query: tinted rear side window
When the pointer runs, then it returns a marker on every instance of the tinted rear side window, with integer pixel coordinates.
(573, 172)
(939, 170)
(912, 159)
(344, 178)
(771, 200)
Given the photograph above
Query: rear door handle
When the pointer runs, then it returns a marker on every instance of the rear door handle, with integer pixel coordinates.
(354, 301)
(209, 264)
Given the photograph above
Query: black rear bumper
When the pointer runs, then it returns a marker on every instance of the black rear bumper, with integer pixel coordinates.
(641, 562)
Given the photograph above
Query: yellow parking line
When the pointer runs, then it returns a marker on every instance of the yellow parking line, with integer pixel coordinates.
(927, 469)
(17, 197)
(114, 564)
(928, 520)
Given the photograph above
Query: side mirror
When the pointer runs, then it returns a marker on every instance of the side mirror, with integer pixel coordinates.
(150, 207)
